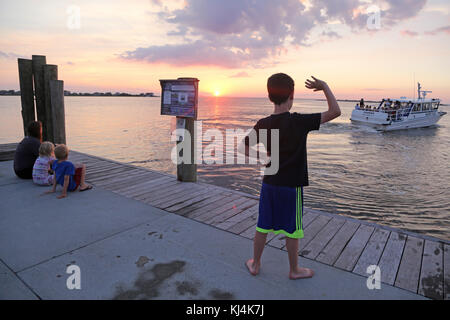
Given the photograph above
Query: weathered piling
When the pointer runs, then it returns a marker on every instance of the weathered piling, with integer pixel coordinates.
(39, 90)
(58, 114)
(50, 73)
(187, 172)
(26, 92)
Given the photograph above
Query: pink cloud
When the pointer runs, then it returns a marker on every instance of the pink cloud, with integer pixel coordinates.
(409, 33)
(247, 33)
(434, 32)
(242, 74)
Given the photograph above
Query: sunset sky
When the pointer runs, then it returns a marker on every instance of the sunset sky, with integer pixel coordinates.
(233, 46)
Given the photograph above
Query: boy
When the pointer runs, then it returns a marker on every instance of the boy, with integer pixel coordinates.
(281, 198)
(69, 177)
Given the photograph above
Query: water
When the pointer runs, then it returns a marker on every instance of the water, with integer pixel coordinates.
(400, 179)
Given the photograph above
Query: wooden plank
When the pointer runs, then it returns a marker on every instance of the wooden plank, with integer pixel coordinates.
(146, 188)
(161, 191)
(244, 224)
(236, 207)
(141, 184)
(319, 242)
(308, 218)
(230, 222)
(349, 256)
(431, 283)
(211, 206)
(312, 230)
(409, 270)
(392, 254)
(183, 196)
(230, 205)
(7, 155)
(186, 210)
(183, 191)
(372, 252)
(446, 272)
(189, 202)
(250, 233)
(106, 173)
(187, 198)
(121, 180)
(144, 185)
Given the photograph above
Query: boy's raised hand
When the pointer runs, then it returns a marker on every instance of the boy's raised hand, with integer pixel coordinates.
(316, 85)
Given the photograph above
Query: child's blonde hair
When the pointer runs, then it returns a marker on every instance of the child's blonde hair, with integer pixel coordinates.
(46, 149)
(61, 152)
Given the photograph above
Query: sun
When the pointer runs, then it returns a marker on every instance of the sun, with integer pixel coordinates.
(216, 93)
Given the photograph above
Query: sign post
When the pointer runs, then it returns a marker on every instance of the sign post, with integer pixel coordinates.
(180, 98)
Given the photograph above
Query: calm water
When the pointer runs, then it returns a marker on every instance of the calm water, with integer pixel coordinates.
(400, 179)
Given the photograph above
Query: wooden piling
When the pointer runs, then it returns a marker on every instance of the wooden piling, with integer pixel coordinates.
(58, 114)
(188, 172)
(39, 90)
(26, 92)
(50, 73)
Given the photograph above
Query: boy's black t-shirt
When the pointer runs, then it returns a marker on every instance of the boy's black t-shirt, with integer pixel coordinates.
(293, 131)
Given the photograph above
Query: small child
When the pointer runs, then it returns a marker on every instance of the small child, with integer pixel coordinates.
(42, 173)
(66, 174)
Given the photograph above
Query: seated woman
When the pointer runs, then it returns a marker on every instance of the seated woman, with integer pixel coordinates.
(28, 150)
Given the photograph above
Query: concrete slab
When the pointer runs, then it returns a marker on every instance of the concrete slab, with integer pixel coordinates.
(177, 258)
(7, 175)
(11, 287)
(129, 250)
(36, 227)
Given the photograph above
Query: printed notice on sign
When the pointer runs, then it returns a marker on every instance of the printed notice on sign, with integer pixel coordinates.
(167, 97)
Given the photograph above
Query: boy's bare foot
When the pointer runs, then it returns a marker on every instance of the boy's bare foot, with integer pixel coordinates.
(301, 273)
(252, 267)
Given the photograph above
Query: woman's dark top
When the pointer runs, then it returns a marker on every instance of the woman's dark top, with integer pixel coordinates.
(26, 154)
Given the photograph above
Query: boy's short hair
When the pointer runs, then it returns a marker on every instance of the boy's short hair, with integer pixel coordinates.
(280, 87)
(46, 148)
(61, 152)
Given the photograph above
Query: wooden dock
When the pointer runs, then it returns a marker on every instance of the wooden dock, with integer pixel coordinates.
(410, 261)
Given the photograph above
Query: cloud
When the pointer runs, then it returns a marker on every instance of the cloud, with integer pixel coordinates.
(409, 33)
(10, 55)
(256, 33)
(242, 74)
(434, 32)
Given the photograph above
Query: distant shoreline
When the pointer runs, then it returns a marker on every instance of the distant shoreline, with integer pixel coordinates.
(88, 94)
(151, 95)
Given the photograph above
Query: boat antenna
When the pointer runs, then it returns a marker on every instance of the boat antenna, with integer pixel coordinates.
(418, 89)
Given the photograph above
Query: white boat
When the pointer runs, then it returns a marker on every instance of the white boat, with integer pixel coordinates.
(400, 113)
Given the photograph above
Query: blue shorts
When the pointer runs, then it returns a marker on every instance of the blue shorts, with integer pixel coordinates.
(281, 211)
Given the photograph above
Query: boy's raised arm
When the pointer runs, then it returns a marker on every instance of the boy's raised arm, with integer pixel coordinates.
(333, 107)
